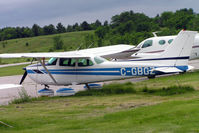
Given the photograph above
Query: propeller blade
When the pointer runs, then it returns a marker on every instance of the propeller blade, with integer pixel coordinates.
(24, 76)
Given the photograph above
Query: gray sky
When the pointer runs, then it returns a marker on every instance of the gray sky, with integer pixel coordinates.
(43, 12)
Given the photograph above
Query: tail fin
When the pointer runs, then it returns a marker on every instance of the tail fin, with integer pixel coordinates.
(178, 52)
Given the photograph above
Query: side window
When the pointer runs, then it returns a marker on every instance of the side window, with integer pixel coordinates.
(170, 41)
(147, 43)
(67, 62)
(73, 62)
(162, 42)
(84, 62)
(52, 61)
(99, 60)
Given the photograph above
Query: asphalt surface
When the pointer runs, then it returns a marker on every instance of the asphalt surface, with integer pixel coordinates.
(7, 95)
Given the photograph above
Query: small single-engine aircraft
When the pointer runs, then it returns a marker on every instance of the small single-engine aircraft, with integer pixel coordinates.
(83, 67)
(157, 44)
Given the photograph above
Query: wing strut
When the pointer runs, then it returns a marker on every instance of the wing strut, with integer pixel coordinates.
(43, 64)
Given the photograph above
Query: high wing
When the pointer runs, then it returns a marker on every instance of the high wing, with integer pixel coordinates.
(114, 51)
(45, 55)
(107, 52)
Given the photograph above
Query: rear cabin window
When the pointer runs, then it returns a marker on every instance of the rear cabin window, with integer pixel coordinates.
(170, 41)
(67, 62)
(84, 62)
(162, 42)
(52, 61)
(99, 60)
(147, 43)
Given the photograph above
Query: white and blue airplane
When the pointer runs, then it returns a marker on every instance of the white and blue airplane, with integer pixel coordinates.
(83, 67)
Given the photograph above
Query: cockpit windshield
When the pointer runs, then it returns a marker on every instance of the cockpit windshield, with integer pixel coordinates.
(147, 43)
(52, 61)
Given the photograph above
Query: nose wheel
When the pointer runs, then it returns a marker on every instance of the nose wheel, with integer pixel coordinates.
(46, 87)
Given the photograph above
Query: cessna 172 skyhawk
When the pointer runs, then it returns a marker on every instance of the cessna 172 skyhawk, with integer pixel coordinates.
(157, 44)
(82, 68)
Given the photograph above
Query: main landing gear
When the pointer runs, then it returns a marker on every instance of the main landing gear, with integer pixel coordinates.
(46, 91)
(151, 76)
(87, 86)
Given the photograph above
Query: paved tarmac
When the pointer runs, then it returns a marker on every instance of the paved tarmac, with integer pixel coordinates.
(7, 95)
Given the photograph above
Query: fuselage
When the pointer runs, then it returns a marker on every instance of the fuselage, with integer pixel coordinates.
(157, 45)
(67, 70)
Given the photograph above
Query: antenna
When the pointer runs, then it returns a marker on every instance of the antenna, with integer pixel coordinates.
(154, 33)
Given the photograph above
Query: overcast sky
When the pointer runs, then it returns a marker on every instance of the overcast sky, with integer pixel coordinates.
(44, 12)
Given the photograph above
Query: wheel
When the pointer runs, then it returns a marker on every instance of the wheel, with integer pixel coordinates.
(151, 76)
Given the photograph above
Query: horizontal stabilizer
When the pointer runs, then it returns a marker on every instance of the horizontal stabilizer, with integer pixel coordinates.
(167, 70)
(7, 86)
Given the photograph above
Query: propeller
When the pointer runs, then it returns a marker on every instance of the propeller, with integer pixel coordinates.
(24, 76)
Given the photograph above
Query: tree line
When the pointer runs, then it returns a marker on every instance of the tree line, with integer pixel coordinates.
(131, 28)
(128, 27)
(22, 32)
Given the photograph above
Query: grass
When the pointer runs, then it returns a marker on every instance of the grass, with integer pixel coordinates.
(171, 90)
(12, 70)
(189, 78)
(71, 41)
(113, 112)
(129, 88)
(109, 89)
(23, 97)
(108, 114)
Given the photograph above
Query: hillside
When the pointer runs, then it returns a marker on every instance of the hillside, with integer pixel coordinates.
(72, 41)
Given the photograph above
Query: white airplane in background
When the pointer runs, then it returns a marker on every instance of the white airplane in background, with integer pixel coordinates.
(84, 66)
(155, 45)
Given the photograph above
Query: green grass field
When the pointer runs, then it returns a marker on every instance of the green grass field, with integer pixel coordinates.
(115, 113)
(12, 70)
(71, 41)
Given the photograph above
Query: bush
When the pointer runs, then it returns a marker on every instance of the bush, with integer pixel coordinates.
(51, 50)
(167, 91)
(23, 97)
(27, 44)
(109, 89)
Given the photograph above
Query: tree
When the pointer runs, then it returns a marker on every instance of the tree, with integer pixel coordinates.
(99, 42)
(26, 32)
(85, 26)
(106, 23)
(100, 32)
(60, 28)
(58, 42)
(143, 27)
(98, 23)
(76, 27)
(69, 28)
(36, 29)
(50, 29)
